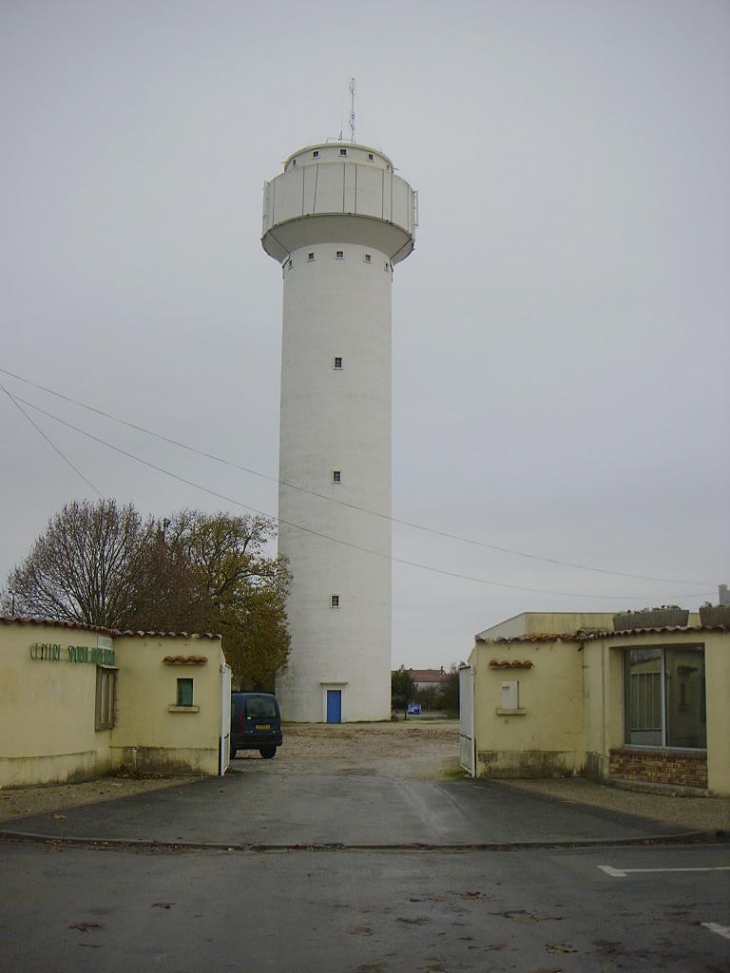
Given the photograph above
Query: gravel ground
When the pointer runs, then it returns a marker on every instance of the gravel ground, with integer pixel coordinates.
(698, 813)
(406, 749)
(18, 802)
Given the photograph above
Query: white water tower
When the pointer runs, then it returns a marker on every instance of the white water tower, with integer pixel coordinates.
(337, 219)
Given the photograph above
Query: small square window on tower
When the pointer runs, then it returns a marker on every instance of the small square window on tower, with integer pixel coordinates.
(336, 476)
(310, 256)
(370, 156)
(334, 601)
(315, 154)
(343, 151)
(340, 254)
(338, 363)
(368, 258)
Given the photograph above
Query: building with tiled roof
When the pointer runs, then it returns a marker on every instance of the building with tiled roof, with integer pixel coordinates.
(79, 701)
(556, 694)
(428, 678)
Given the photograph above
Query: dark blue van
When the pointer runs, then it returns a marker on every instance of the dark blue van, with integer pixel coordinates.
(255, 723)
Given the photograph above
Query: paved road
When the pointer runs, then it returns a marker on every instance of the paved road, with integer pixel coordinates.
(258, 807)
(355, 873)
(73, 910)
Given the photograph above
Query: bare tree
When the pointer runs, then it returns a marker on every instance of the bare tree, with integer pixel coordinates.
(168, 594)
(86, 567)
(101, 564)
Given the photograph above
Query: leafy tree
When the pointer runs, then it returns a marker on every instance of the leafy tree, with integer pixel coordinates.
(239, 588)
(430, 697)
(451, 691)
(86, 567)
(401, 688)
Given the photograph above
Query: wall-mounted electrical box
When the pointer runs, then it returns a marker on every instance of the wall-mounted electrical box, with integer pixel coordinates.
(510, 695)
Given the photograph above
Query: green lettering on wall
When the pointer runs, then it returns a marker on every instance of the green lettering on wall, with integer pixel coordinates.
(48, 651)
(52, 652)
(78, 653)
(102, 657)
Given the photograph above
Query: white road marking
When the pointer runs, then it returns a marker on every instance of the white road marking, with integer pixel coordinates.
(716, 927)
(623, 872)
(613, 872)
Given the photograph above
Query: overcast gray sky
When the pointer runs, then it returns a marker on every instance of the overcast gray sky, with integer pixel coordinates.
(561, 333)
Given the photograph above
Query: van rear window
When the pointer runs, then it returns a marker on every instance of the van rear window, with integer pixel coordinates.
(259, 709)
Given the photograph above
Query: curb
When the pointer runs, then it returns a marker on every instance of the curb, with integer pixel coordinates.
(687, 837)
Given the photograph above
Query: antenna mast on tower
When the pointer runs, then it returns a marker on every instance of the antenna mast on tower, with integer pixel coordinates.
(352, 110)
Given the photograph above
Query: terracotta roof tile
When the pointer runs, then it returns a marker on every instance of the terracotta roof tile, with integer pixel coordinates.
(594, 635)
(427, 675)
(169, 635)
(116, 633)
(56, 623)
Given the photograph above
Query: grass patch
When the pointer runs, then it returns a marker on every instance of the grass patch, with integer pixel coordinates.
(454, 773)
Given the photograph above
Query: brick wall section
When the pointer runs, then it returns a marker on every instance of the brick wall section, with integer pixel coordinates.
(683, 768)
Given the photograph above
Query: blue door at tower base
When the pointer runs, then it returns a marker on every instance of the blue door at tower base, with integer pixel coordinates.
(334, 705)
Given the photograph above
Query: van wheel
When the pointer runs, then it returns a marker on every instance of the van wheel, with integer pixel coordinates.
(267, 752)
(232, 754)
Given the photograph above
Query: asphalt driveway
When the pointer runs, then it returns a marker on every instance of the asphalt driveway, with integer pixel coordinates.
(259, 808)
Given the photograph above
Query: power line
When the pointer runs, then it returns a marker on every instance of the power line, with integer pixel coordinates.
(335, 540)
(16, 403)
(344, 503)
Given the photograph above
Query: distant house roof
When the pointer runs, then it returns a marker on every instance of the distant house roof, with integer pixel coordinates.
(428, 675)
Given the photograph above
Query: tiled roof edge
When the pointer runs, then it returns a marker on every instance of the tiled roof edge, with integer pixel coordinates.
(593, 636)
(114, 632)
(654, 631)
(168, 635)
(56, 623)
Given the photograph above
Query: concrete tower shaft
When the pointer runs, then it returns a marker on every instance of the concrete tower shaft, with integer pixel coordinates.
(337, 219)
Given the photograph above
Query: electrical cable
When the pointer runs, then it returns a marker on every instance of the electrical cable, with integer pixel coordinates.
(16, 403)
(344, 503)
(335, 540)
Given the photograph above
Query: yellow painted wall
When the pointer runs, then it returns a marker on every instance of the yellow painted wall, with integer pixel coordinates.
(548, 623)
(574, 703)
(565, 623)
(717, 675)
(717, 694)
(148, 736)
(47, 709)
(547, 738)
(602, 703)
